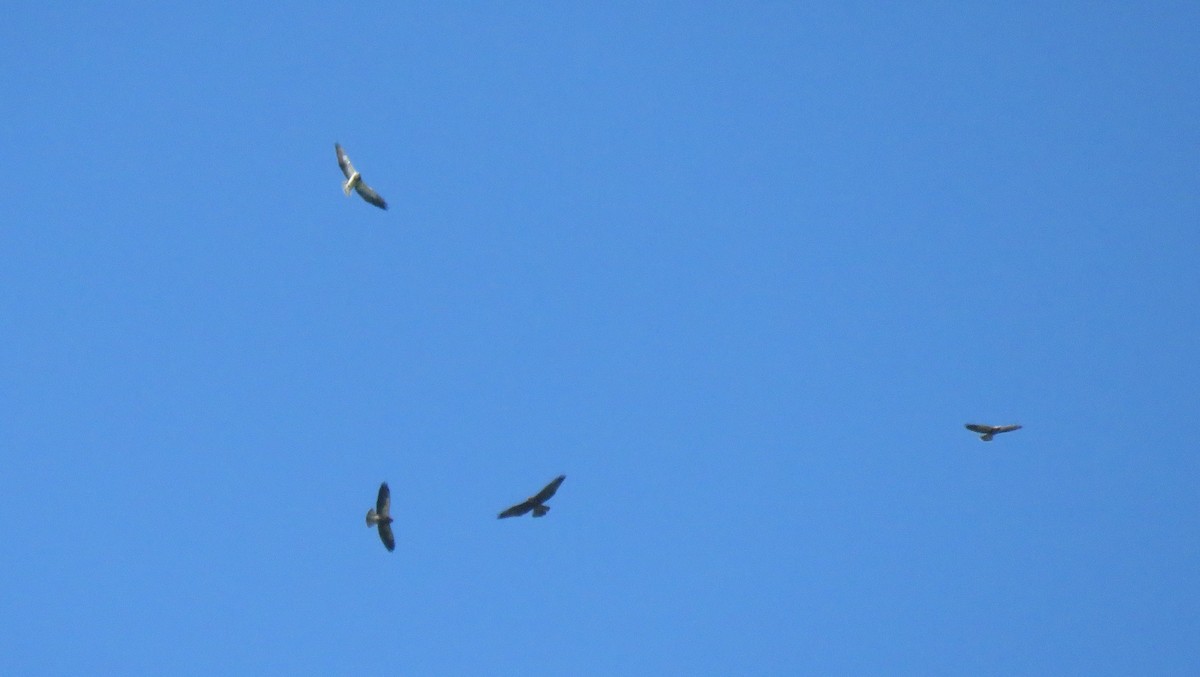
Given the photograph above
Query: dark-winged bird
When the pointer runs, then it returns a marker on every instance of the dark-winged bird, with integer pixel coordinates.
(536, 502)
(380, 516)
(986, 432)
(354, 180)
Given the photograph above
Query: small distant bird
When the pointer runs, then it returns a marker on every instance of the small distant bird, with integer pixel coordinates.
(986, 432)
(380, 516)
(354, 180)
(535, 502)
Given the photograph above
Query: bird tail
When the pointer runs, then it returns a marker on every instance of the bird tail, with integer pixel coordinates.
(372, 518)
(540, 510)
(987, 437)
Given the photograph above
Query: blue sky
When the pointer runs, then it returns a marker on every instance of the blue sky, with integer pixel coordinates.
(740, 271)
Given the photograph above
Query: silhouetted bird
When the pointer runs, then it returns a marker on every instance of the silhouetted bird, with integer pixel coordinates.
(380, 516)
(535, 502)
(986, 432)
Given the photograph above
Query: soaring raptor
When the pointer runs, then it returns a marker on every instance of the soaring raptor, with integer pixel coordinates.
(354, 180)
(536, 503)
(380, 516)
(986, 432)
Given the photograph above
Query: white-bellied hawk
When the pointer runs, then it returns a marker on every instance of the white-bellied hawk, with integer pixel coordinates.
(354, 180)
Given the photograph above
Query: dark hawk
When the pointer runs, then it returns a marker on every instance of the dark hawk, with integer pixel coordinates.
(536, 502)
(380, 516)
(986, 432)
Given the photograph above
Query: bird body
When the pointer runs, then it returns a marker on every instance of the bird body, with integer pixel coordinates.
(374, 518)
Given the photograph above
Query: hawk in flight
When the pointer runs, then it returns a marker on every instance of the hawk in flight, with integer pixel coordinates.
(536, 503)
(380, 516)
(354, 180)
(986, 432)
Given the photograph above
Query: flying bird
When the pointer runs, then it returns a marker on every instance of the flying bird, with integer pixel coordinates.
(986, 432)
(380, 516)
(536, 503)
(354, 180)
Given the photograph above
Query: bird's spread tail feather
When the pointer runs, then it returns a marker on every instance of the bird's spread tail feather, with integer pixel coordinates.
(540, 510)
(372, 518)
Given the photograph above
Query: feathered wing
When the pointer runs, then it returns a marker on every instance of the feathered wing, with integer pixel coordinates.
(1007, 428)
(367, 193)
(981, 429)
(517, 510)
(385, 535)
(548, 490)
(383, 503)
(343, 160)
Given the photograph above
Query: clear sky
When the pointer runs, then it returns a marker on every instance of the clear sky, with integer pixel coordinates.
(741, 271)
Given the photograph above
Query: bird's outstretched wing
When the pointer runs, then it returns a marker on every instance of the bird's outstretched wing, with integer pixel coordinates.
(367, 193)
(981, 429)
(1006, 428)
(383, 503)
(548, 490)
(343, 160)
(517, 510)
(385, 535)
